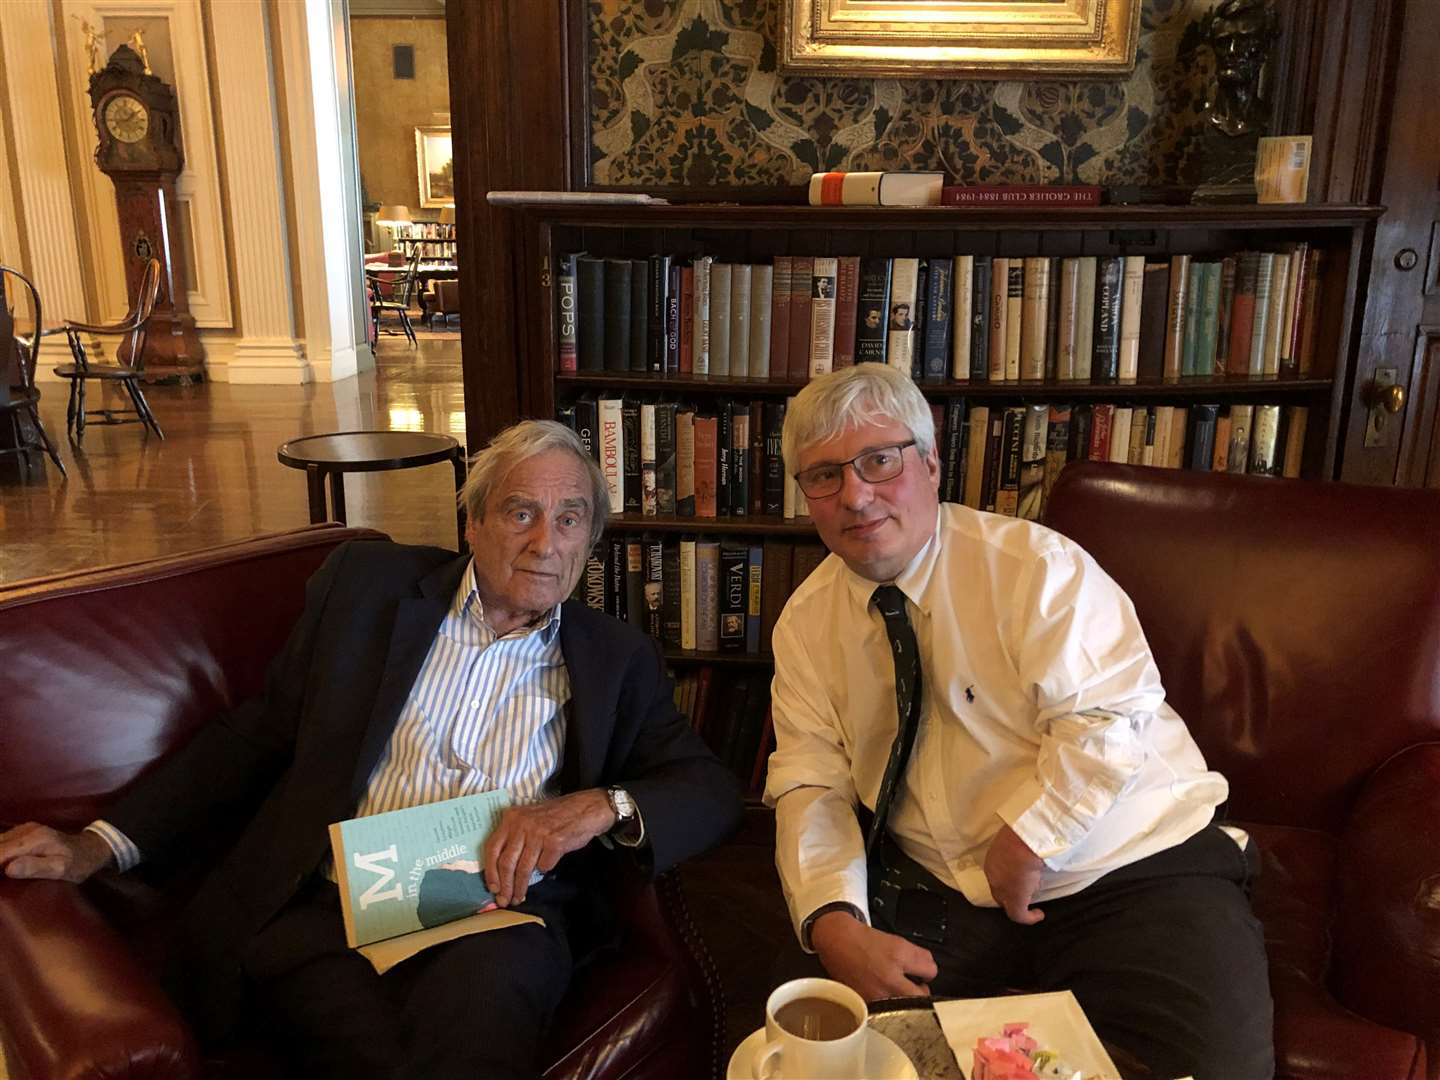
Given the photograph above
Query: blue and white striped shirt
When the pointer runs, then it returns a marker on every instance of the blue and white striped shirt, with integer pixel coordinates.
(485, 713)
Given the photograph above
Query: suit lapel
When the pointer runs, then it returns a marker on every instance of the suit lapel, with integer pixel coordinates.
(587, 721)
(417, 620)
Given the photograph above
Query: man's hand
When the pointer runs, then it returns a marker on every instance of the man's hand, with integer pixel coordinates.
(535, 837)
(38, 851)
(871, 962)
(1013, 871)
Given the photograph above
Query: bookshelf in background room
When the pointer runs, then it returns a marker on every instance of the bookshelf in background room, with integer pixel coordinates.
(671, 338)
(435, 241)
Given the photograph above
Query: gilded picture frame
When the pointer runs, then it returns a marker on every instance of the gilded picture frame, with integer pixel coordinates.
(969, 39)
(434, 161)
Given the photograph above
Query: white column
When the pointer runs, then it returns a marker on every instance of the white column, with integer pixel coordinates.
(45, 203)
(267, 351)
(335, 175)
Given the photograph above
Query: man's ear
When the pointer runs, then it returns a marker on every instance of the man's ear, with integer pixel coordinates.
(932, 466)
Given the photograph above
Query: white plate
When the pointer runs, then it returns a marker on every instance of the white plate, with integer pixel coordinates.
(883, 1059)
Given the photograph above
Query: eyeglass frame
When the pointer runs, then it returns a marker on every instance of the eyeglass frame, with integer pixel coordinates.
(840, 465)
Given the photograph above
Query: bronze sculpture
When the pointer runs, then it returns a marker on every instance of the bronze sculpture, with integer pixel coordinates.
(1240, 32)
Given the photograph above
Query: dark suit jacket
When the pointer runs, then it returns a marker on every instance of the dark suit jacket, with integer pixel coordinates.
(279, 770)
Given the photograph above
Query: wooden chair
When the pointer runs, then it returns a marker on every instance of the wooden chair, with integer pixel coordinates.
(391, 291)
(17, 387)
(127, 370)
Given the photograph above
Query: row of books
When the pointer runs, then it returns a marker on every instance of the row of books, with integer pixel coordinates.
(697, 592)
(732, 714)
(722, 460)
(1104, 319)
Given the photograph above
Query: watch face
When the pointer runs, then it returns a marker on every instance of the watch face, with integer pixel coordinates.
(126, 118)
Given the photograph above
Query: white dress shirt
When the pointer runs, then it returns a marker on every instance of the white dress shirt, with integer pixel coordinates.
(1042, 708)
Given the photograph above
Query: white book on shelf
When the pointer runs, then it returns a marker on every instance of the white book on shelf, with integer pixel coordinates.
(822, 314)
(900, 338)
(720, 279)
(1132, 293)
(1120, 421)
(762, 289)
(700, 329)
(741, 276)
(612, 451)
(1085, 318)
(963, 308)
(1069, 321)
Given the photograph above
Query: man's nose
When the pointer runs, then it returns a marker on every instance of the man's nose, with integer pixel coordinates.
(855, 493)
(542, 537)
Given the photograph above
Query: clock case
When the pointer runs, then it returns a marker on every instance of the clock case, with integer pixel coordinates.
(144, 175)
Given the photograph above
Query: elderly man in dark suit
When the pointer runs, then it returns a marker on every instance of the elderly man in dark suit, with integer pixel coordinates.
(414, 676)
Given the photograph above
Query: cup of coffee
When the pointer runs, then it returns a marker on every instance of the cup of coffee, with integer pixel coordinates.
(813, 1027)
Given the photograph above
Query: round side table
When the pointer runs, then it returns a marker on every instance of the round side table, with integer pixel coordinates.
(367, 451)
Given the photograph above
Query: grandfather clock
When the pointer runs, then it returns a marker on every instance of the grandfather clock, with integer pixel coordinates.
(139, 127)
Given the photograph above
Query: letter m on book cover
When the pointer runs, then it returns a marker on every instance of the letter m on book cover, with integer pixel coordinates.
(377, 891)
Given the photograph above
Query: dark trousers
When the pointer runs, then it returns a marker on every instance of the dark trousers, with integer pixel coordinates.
(474, 1007)
(1164, 955)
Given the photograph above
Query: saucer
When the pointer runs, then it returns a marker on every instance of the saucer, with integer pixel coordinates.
(883, 1059)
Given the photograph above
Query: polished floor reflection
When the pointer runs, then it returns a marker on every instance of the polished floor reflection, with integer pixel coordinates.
(215, 477)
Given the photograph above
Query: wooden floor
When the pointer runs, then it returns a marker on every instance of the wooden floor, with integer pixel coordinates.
(215, 476)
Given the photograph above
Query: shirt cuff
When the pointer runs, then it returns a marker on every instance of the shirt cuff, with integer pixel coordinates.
(127, 855)
(1042, 822)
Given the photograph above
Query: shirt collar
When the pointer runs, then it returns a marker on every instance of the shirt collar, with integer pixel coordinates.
(913, 581)
(469, 604)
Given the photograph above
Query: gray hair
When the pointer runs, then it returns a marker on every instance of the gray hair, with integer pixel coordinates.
(843, 400)
(520, 442)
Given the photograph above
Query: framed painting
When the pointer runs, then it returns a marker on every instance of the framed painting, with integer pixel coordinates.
(962, 39)
(436, 164)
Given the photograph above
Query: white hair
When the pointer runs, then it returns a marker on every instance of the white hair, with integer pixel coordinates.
(518, 443)
(843, 400)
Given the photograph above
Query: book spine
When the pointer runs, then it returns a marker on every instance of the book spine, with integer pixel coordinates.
(739, 458)
(1238, 456)
(615, 579)
(1032, 462)
(1175, 447)
(707, 452)
(742, 277)
(938, 318)
(1275, 325)
(654, 352)
(1052, 320)
(1052, 195)
(773, 501)
(590, 282)
(1085, 317)
(952, 473)
(754, 590)
(1298, 417)
(1007, 495)
(638, 353)
(1154, 312)
(631, 476)
(847, 289)
(780, 315)
(1199, 273)
(757, 457)
(1132, 299)
(872, 310)
(649, 496)
(1225, 310)
(672, 320)
(1260, 328)
(822, 315)
(900, 338)
(775, 588)
(1065, 361)
(1264, 441)
(654, 594)
(1200, 450)
(687, 594)
(980, 321)
(635, 613)
(734, 580)
(1101, 417)
(707, 595)
(685, 462)
(1207, 329)
(594, 580)
(687, 320)
(566, 317)
(1309, 314)
(700, 349)
(922, 297)
(1300, 269)
(999, 308)
(1034, 316)
(1014, 317)
(962, 312)
(1078, 447)
(1057, 449)
(976, 437)
(670, 595)
(666, 455)
(1219, 461)
(1105, 345)
(762, 300)
(721, 277)
(617, 314)
(1242, 314)
(1175, 319)
(993, 453)
(612, 451)
(724, 457)
(801, 284)
(1122, 419)
(587, 425)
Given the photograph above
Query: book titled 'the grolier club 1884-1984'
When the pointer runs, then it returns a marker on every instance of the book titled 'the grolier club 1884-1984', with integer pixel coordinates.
(412, 878)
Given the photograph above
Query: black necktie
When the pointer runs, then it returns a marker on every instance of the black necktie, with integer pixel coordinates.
(891, 603)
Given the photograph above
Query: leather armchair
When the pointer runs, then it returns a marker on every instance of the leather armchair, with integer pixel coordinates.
(1297, 629)
(104, 672)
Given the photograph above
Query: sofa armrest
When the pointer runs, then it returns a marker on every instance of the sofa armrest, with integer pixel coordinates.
(77, 1003)
(1387, 926)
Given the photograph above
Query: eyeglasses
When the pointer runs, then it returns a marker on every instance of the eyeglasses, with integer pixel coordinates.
(874, 466)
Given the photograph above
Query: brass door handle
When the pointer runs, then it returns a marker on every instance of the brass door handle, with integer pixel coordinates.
(1391, 398)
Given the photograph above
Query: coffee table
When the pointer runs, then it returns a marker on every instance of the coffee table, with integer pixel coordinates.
(336, 454)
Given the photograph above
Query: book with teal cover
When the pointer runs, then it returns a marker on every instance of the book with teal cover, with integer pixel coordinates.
(411, 869)
(1208, 321)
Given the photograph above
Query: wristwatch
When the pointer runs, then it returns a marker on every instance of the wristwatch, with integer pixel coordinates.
(622, 804)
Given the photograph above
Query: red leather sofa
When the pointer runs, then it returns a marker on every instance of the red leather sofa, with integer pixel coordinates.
(101, 674)
(1297, 629)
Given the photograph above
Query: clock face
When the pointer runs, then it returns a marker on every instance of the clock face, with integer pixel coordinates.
(126, 118)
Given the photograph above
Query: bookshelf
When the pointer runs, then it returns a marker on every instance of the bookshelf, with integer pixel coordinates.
(434, 241)
(750, 234)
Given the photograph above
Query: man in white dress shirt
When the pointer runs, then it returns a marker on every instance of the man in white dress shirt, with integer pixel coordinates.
(1048, 822)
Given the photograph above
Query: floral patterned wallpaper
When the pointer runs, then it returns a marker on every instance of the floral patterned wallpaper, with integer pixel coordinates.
(687, 92)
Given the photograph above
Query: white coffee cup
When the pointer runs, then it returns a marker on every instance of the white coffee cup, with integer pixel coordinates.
(790, 1056)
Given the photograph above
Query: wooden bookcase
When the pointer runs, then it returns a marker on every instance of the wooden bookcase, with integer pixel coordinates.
(755, 234)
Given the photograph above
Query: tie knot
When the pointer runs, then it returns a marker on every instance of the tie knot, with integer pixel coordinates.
(890, 601)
